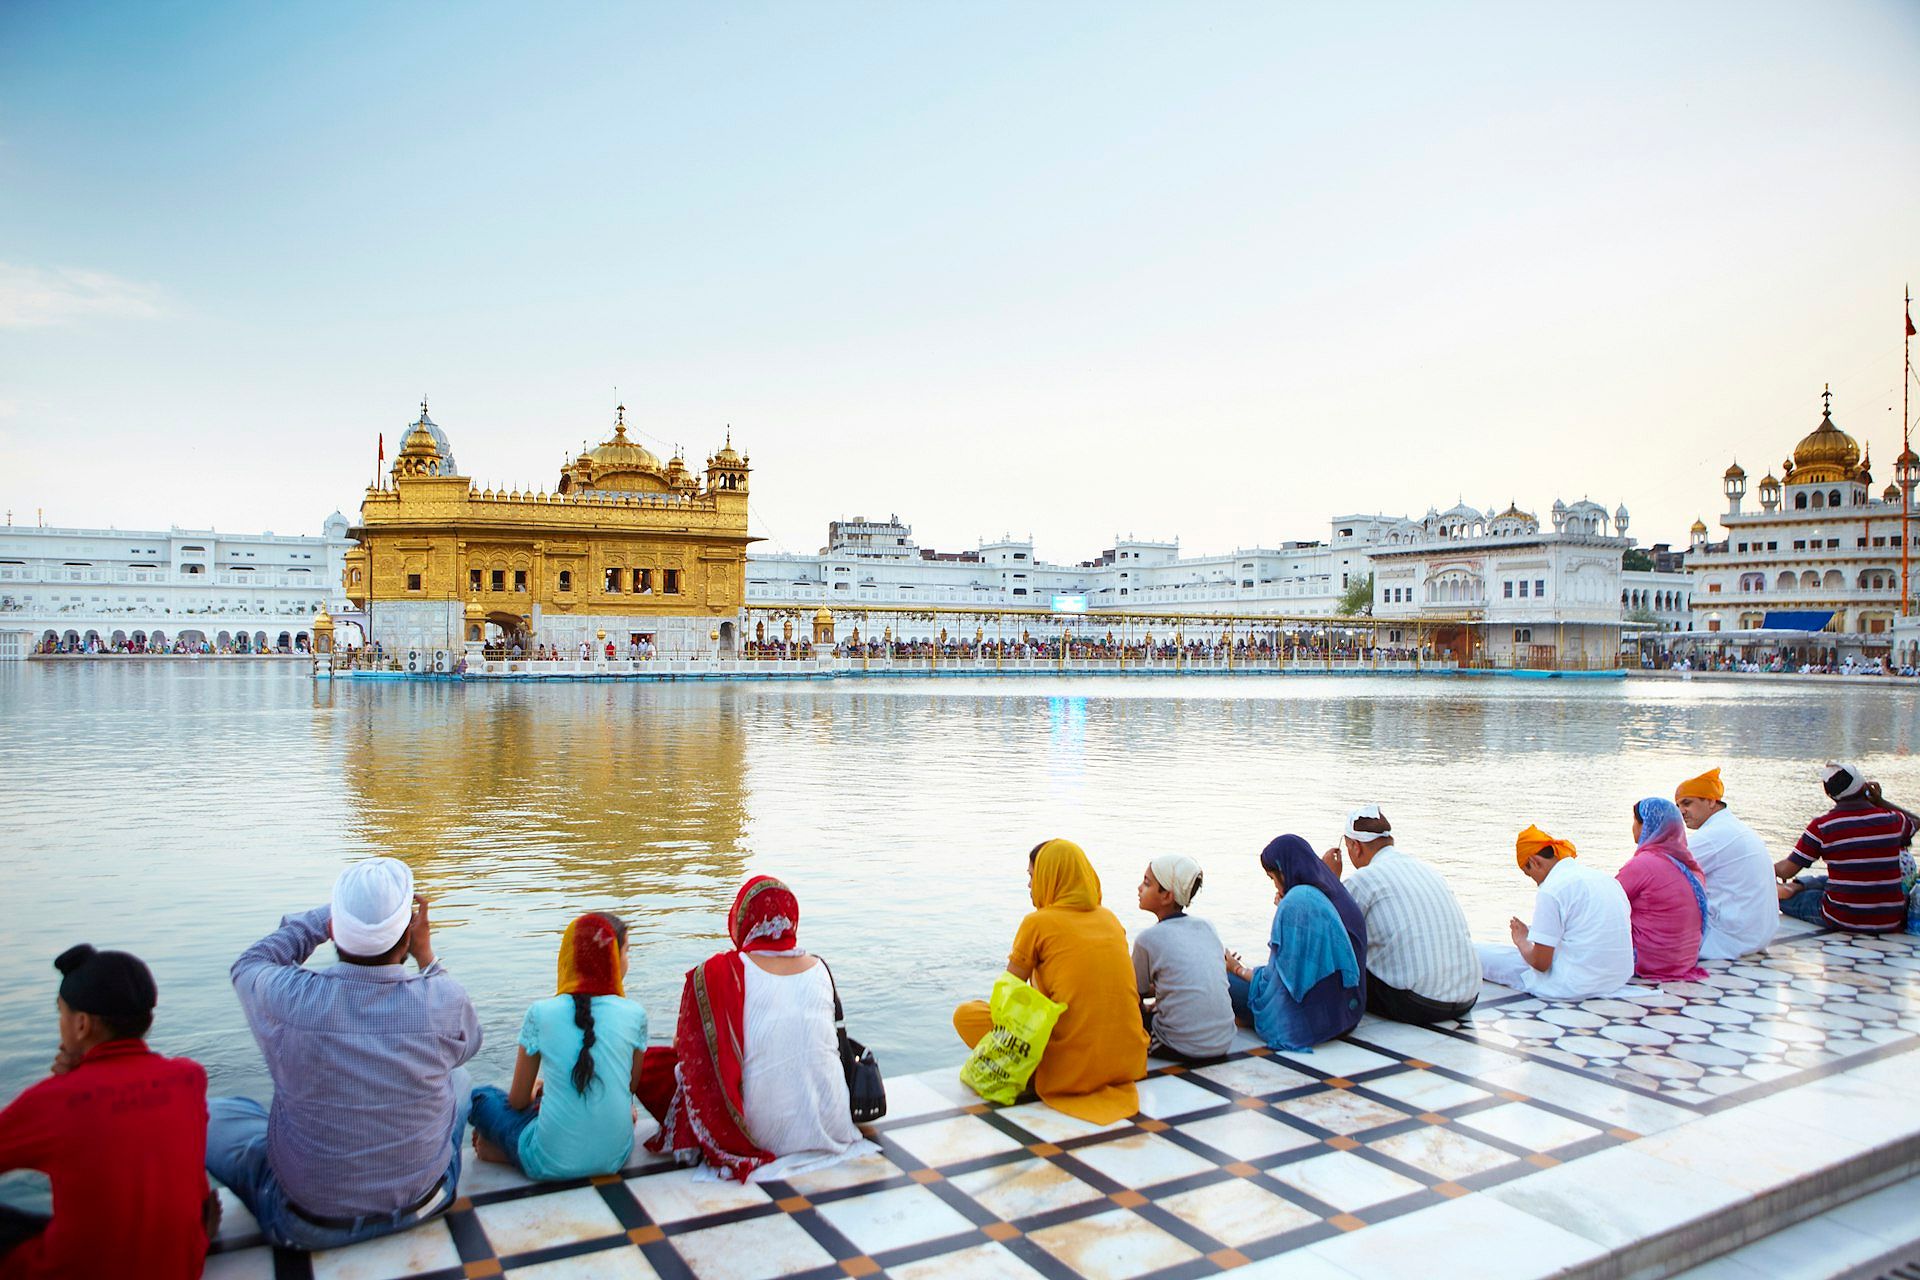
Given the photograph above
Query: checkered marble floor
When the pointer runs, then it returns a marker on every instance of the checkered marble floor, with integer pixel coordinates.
(1425, 1146)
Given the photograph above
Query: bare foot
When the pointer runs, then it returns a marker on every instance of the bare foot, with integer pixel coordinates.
(488, 1151)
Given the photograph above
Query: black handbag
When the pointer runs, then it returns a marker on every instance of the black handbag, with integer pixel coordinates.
(866, 1090)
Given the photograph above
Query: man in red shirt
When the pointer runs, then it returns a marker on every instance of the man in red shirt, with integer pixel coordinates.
(1861, 838)
(120, 1131)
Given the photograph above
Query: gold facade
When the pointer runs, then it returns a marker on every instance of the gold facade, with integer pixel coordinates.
(624, 537)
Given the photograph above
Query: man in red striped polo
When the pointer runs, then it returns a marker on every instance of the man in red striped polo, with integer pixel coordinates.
(1861, 838)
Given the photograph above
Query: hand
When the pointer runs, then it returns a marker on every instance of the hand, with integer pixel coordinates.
(1234, 966)
(64, 1061)
(420, 934)
(1787, 889)
(1518, 929)
(1332, 858)
(539, 1091)
(1873, 792)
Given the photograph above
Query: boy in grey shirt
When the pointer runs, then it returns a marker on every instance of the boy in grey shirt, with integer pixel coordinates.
(1177, 965)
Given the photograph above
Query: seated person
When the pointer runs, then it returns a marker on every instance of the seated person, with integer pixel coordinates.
(1312, 987)
(369, 1097)
(1860, 837)
(1421, 965)
(1074, 951)
(1176, 965)
(753, 1086)
(1581, 942)
(583, 1046)
(1743, 911)
(119, 1131)
(1666, 896)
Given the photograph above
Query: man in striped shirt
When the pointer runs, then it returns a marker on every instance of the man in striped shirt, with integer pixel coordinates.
(1860, 838)
(1421, 963)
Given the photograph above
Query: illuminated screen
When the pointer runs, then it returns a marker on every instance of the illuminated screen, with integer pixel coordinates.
(1069, 604)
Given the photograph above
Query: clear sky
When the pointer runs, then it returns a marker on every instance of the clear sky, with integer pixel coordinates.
(1205, 270)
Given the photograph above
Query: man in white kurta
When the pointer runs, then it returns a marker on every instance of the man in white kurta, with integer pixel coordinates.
(1582, 929)
(1743, 907)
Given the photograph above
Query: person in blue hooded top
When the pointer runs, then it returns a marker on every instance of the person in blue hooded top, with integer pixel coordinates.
(1312, 986)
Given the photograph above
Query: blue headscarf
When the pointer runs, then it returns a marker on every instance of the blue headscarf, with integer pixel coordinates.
(1308, 946)
(1663, 832)
(1295, 862)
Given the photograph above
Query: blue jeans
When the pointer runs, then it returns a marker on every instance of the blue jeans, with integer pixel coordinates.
(1806, 904)
(498, 1122)
(237, 1157)
(1237, 989)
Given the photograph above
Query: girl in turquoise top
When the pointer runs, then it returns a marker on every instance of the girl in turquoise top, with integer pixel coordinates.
(583, 1048)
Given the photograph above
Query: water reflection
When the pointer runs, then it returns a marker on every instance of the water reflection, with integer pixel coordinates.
(179, 810)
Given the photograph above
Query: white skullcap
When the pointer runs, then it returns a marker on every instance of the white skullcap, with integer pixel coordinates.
(1366, 837)
(1177, 874)
(372, 905)
(1842, 780)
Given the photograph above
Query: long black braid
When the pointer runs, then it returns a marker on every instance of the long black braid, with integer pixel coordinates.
(583, 1016)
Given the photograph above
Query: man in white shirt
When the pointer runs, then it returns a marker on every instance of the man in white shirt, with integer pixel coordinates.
(1581, 942)
(1743, 903)
(1421, 964)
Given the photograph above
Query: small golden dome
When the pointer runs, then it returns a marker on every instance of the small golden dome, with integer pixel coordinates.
(1892, 494)
(822, 616)
(1699, 526)
(322, 620)
(1768, 482)
(474, 611)
(1736, 472)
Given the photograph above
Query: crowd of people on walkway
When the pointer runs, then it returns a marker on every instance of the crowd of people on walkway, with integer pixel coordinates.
(367, 1130)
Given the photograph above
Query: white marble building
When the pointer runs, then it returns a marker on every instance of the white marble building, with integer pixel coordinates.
(876, 563)
(1540, 598)
(1821, 553)
(135, 590)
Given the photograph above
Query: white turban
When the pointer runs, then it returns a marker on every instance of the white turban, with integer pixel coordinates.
(1366, 837)
(1843, 780)
(372, 906)
(1178, 874)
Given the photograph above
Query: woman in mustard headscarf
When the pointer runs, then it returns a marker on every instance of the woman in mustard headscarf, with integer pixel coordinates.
(1075, 952)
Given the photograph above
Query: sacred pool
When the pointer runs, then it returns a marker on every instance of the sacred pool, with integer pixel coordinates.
(177, 810)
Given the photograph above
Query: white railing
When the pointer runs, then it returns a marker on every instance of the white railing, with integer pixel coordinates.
(743, 668)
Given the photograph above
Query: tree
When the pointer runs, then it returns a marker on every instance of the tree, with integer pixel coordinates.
(1357, 600)
(1636, 560)
(1641, 614)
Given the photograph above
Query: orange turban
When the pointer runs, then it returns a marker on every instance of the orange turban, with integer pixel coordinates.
(1705, 787)
(1533, 840)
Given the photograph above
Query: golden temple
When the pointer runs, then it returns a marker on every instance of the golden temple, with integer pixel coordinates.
(627, 551)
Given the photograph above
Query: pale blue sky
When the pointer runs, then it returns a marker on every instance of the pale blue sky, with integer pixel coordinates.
(1207, 270)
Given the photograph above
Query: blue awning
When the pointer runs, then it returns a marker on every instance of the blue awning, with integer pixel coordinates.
(1797, 619)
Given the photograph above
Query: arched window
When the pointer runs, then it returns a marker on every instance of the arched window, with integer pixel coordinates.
(1835, 580)
(1810, 580)
(1833, 498)
(1818, 501)
(1786, 582)
(1800, 501)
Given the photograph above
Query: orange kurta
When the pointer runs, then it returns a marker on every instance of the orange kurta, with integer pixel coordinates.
(1078, 955)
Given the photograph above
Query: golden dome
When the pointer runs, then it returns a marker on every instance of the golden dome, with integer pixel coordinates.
(1769, 482)
(1736, 472)
(1699, 526)
(622, 454)
(822, 615)
(1827, 455)
(1892, 495)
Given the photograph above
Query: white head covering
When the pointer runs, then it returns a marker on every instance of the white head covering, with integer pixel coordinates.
(1178, 874)
(372, 905)
(1842, 780)
(1367, 837)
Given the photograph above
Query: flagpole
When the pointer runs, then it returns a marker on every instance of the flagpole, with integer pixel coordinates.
(1906, 452)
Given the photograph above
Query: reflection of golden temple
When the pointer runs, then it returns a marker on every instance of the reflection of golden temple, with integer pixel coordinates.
(628, 546)
(582, 797)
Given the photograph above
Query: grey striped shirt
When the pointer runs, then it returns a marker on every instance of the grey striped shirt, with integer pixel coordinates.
(1417, 936)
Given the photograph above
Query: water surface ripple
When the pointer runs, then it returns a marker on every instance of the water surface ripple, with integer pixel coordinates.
(177, 810)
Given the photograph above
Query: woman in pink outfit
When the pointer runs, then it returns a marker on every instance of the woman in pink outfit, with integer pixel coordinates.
(1667, 894)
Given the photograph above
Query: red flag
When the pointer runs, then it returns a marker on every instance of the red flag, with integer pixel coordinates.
(383, 435)
(1910, 329)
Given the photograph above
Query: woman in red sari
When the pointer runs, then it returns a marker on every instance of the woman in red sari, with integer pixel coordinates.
(753, 1085)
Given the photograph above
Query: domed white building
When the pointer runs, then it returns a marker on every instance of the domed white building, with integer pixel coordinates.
(1546, 598)
(1820, 557)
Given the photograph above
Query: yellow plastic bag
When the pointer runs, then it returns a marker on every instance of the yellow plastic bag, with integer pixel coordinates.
(1004, 1060)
